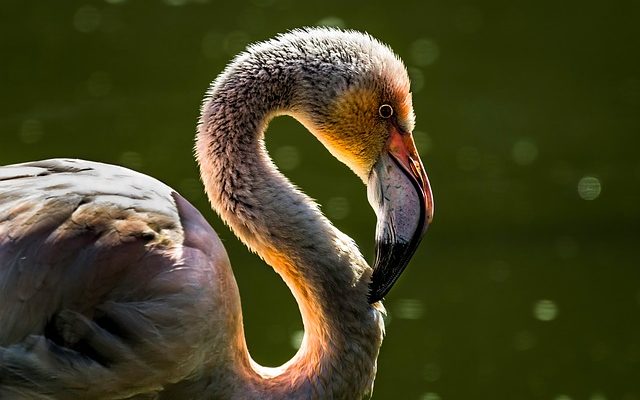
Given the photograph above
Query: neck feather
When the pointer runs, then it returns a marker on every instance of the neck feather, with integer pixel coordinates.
(323, 267)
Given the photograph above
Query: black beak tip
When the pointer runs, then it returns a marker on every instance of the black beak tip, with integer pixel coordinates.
(376, 295)
(391, 260)
(381, 284)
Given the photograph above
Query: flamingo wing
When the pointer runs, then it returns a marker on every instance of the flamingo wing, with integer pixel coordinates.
(110, 282)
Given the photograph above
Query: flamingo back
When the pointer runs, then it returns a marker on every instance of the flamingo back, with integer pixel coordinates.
(108, 280)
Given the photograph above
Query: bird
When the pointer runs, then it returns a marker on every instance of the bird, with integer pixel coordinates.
(113, 286)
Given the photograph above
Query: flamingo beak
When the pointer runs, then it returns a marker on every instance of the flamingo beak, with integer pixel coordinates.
(399, 192)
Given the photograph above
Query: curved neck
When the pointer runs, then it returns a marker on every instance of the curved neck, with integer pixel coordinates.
(323, 267)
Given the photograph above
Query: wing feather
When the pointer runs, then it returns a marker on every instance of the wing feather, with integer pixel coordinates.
(106, 275)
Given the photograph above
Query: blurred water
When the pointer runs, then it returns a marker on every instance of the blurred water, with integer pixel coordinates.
(527, 285)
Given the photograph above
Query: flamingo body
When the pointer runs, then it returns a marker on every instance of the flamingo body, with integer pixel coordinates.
(122, 256)
(112, 286)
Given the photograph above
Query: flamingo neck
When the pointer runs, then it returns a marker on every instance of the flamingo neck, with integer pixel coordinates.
(323, 267)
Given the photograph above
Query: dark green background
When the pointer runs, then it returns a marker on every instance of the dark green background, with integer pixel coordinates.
(522, 289)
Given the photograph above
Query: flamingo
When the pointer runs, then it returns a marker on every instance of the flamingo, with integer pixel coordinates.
(112, 286)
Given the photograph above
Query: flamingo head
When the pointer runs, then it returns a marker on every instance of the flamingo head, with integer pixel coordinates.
(360, 108)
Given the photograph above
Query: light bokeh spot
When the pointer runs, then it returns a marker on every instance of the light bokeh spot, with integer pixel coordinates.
(545, 310)
(432, 372)
(31, 131)
(423, 141)
(416, 76)
(589, 188)
(287, 158)
(176, 3)
(430, 396)
(424, 52)
(87, 19)
(131, 159)
(337, 207)
(408, 309)
(524, 152)
(333, 21)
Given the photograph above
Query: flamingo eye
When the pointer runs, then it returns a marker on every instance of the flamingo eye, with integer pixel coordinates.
(385, 111)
